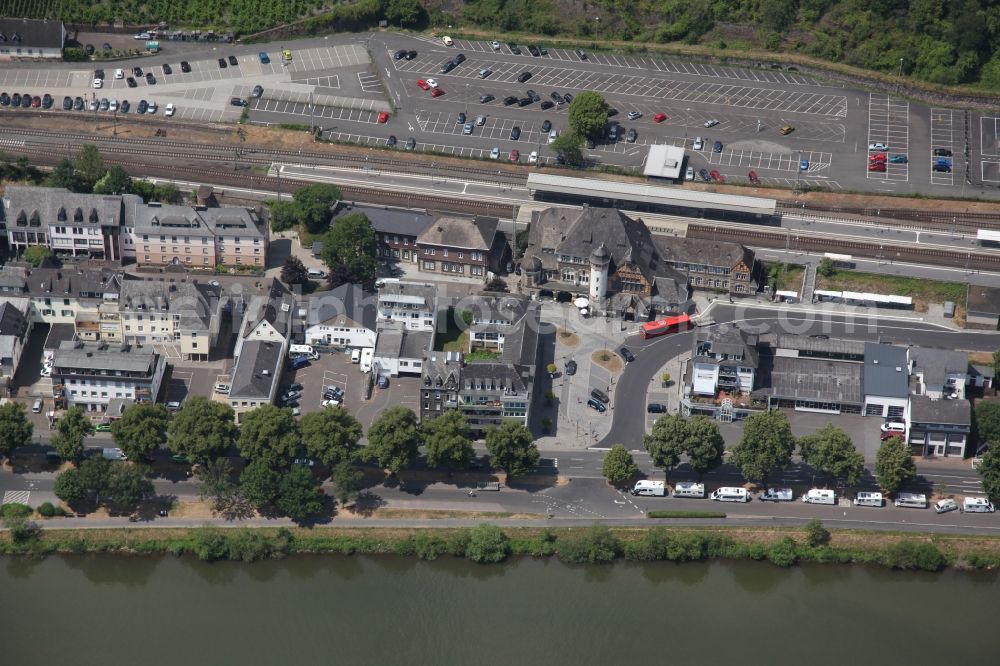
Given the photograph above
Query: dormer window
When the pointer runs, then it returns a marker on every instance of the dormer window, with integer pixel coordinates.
(93, 215)
(78, 215)
(61, 215)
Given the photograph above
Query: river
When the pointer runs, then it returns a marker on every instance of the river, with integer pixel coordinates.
(107, 610)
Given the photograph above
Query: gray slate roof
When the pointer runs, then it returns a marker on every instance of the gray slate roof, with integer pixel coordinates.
(703, 251)
(398, 221)
(19, 33)
(249, 379)
(277, 308)
(442, 370)
(508, 309)
(346, 305)
(936, 364)
(881, 376)
(954, 412)
(467, 233)
(412, 290)
(398, 342)
(167, 219)
(193, 302)
(90, 356)
(727, 340)
(55, 205)
(12, 319)
(493, 376)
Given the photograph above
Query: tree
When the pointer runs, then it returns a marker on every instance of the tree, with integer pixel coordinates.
(447, 440)
(404, 12)
(331, 435)
(989, 470)
(337, 276)
(64, 175)
(767, 444)
(216, 483)
(298, 494)
(816, 534)
(346, 480)
(203, 429)
(128, 485)
(569, 146)
(115, 181)
(89, 166)
(488, 544)
(271, 434)
(141, 430)
(315, 203)
(294, 271)
(619, 467)
(70, 488)
(665, 442)
(704, 445)
(831, 452)
(996, 363)
(36, 255)
(393, 439)
(588, 115)
(352, 243)
(94, 473)
(512, 448)
(497, 284)
(260, 483)
(826, 267)
(284, 215)
(71, 430)
(988, 422)
(15, 428)
(894, 465)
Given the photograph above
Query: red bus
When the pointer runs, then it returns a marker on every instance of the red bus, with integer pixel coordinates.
(664, 326)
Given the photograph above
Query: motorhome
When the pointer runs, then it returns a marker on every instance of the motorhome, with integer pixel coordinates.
(777, 495)
(367, 358)
(868, 499)
(303, 350)
(650, 488)
(355, 356)
(689, 489)
(977, 505)
(728, 494)
(820, 496)
(911, 500)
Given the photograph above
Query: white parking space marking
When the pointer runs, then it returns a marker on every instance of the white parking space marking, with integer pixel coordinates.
(989, 128)
(561, 78)
(990, 172)
(889, 124)
(757, 159)
(332, 81)
(942, 136)
(16, 497)
(302, 109)
(369, 82)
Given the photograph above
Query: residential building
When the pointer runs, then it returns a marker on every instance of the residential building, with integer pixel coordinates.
(66, 222)
(885, 380)
(344, 317)
(456, 245)
(724, 359)
(411, 304)
(939, 427)
(14, 329)
(399, 350)
(982, 309)
(396, 229)
(262, 342)
(31, 38)
(84, 298)
(938, 373)
(711, 264)
(603, 255)
(93, 374)
(171, 311)
(196, 237)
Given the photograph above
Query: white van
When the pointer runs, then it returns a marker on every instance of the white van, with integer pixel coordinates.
(689, 489)
(728, 494)
(303, 350)
(650, 488)
(355, 356)
(316, 273)
(868, 499)
(911, 500)
(977, 505)
(820, 496)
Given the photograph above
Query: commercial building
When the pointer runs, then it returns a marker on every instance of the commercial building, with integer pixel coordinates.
(939, 427)
(93, 374)
(982, 307)
(712, 265)
(457, 245)
(885, 380)
(31, 38)
(399, 350)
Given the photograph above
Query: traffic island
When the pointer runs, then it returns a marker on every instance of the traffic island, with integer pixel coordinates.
(608, 360)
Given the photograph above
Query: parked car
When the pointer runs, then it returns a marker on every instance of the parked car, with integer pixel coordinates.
(597, 405)
(514, 156)
(486, 99)
(167, 69)
(876, 166)
(898, 159)
(803, 165)
(698, 144)
(515, 133)
(942, 152)
(222, 388)
(411, 143)
(716, 176)
(141, 108)
(717, 148)
(704, 175)
(689, 174)
(233, 61)
(656, 408)
(222, 63)
(945, 505)
(626, 354)
(786, 129)
(510, 99)
(634, 115)
(495, 153)
(258, 90)
(102, 427)
(571, 367)
(523, 76)
(67, 102)
(169, 110)
(632, 135)
(264, 58)
(437, 92)
(423, 85)
(877, 146)
(753, 178)
(391, 141)
(173, 406)
(130, 82)
(581, 54)
(185, 67)
(659, 117)
(711, 123)
(598, 394)
(777, 495)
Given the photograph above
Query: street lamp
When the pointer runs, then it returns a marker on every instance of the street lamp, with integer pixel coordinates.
(899, 81)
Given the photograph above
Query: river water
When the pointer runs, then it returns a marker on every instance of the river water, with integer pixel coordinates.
(108, 610)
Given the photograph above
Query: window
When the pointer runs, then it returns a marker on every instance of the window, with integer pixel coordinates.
(444, 252)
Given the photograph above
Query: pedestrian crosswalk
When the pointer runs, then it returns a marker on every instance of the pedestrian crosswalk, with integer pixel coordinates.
(16, 496)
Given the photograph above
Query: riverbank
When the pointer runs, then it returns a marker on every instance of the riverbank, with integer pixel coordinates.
(487, 543)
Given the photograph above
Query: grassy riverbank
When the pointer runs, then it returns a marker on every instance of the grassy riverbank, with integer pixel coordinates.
(488, 543)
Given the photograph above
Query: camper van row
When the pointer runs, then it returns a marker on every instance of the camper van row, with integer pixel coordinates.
(813, 496)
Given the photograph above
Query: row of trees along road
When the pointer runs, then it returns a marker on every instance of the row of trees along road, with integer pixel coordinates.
(270, 440)
(766, 447)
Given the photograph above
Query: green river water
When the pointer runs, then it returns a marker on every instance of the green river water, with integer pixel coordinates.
(108, 610)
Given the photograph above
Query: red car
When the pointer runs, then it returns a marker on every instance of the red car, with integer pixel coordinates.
(36, 102)
(876, 166)
(877, 157)
(383, 117)
(753, 178)
(437, 92)
(660, 117)
(423, 85)
(717, 177)
(515, 155)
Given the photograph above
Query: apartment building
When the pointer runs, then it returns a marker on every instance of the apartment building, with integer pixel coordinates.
(14, 330)
(93, 374)
(396, 229)
(343, 317)
(456, 245)
(712, 265)
(411, 304)
(171, 311)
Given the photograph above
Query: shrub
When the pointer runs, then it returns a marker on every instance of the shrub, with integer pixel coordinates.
(783, 553)
(404, 547)
(758, 551)
(685, 514)
(248, 545)
(816, 534)
(686, 548)
(47, 510)
(652, 546)
(209, 545)
(457, 543)
(597, 545)
(429, 547)
(910, 555)
(15, 510)
(488, 544)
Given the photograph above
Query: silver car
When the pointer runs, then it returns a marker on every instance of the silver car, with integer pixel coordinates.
(467, 128)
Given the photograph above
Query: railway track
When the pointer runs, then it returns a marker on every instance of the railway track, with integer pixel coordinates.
(816, 243)
(922, 219)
